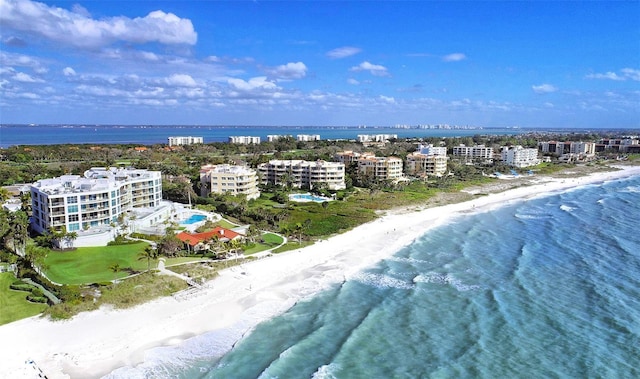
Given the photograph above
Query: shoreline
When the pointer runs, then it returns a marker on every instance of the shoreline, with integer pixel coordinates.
(95, 343)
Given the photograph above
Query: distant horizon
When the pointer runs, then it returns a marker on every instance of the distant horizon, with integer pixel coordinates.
(320, 126)
(559, 64)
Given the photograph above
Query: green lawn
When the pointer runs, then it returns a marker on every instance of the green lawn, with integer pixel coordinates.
(91, 264)
(271, 240)
(13, 304)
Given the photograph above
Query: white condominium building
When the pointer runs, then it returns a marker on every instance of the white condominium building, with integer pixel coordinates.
(431, 150)
(178, 141)
(244, 140)
(376, 137)
(381, 168)
(473, 152)
(96, 199)
(518, 156)
(303, 173)
(275, 137)
(228, 179)
(308, 137)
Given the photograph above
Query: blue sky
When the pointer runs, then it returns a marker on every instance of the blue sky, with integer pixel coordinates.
(491, 64)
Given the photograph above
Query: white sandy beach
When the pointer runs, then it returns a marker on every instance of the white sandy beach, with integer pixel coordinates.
(93, 344)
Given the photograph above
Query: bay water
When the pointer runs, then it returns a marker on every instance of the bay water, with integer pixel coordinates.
(11, 135)
(543, 288)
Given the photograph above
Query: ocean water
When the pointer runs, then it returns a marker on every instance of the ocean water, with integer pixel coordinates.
(544, 288)
(11, 135)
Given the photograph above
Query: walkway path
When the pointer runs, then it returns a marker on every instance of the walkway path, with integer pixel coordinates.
(187, 279)
(46, 293)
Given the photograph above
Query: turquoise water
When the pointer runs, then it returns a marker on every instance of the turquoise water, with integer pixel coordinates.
(193, 219)
(546, 288)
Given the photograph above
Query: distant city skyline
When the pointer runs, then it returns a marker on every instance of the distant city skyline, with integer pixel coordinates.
(490, 64)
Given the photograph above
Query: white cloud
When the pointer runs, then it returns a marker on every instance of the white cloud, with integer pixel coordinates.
(26, 78)
(79, 9)
(68, 71)
(387, 99)
(353, 81)
(625, 74)
(608, 75)
(180, 80)
(343, 52)
(77, 29)
(455, 57)
(259, 82)
(374, 69)
(296, 70)
(544, 88)
(631, 74)
(10, 59)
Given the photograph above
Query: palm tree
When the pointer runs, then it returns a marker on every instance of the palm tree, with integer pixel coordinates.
(68, 238)
(252, 233)
(148, 253)
(4, 194)
(18, 224)
(115, 268)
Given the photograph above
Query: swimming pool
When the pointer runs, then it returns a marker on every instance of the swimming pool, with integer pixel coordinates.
(193, 219)
(305, 197)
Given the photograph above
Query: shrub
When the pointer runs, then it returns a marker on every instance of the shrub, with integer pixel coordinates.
(120, 240)
(22, 287)
(37, 299)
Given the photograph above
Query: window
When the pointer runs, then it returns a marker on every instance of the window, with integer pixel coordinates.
(73, 227)
(73, 218)
(72, 209)
(72, 199)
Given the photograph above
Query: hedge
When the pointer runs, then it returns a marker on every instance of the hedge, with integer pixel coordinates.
(22, 287)
(37, 299)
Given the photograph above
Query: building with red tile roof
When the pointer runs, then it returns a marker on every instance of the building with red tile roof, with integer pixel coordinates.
(197, 238)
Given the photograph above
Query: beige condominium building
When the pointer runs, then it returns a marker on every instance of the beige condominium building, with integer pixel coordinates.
(380, 168)
(229, 179)
(95, 199)
(427, 160)
(303, 173)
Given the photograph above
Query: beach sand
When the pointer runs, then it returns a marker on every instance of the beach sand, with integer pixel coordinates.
(93, 344)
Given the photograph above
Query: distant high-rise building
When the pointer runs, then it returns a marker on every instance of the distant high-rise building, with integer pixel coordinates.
(179, 141)
(308, 137)
(244, 140)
